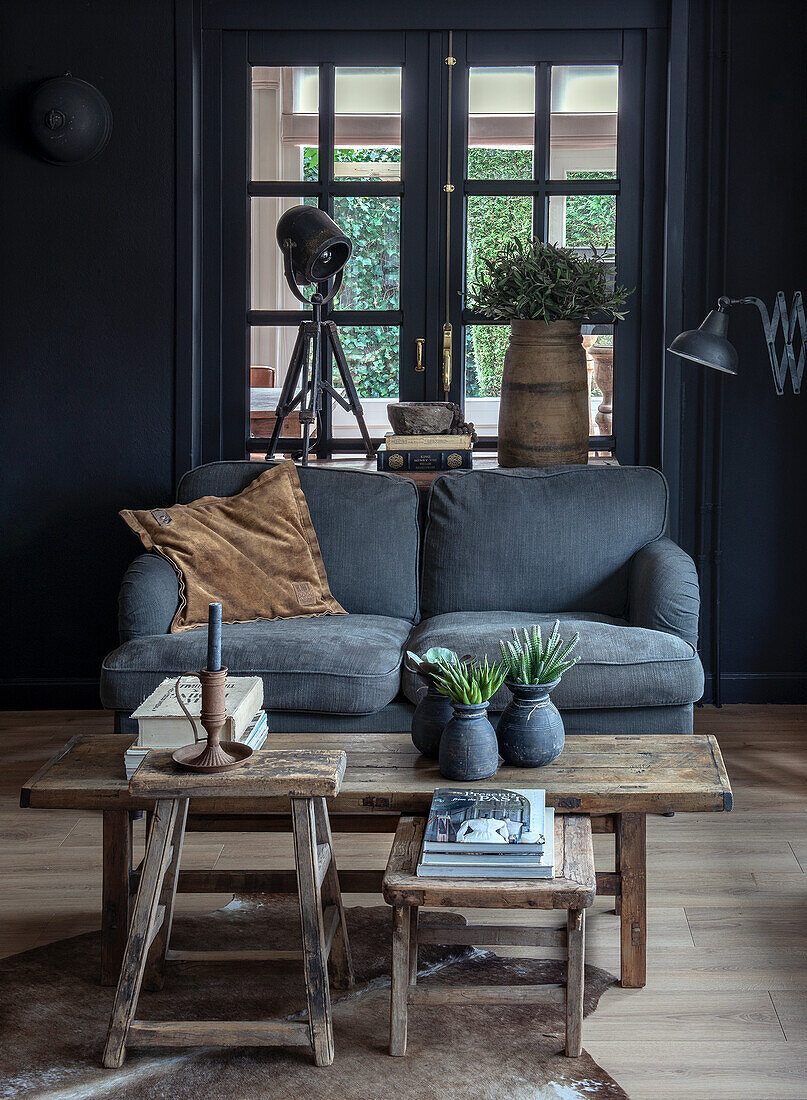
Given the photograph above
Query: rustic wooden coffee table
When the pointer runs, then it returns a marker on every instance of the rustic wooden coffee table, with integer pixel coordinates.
(618, 780)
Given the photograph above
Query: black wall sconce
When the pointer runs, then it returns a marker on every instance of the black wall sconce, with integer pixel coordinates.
(710, 346)
(70, 120)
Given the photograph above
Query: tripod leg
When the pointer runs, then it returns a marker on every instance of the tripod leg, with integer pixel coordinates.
(354, 404)
(298, 355)
(306, 400)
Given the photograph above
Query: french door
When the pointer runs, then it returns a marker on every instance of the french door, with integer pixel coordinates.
(429, 149)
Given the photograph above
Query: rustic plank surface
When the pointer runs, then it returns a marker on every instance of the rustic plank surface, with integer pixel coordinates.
(572, 887)
(218, 1033)
(386, 775)
(486, 994)
(301, 773)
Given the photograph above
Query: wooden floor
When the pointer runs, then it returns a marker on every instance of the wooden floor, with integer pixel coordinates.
(724, 1014)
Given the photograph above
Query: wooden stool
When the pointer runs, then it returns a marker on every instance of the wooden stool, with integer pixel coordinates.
(307, 778)
(572, 888)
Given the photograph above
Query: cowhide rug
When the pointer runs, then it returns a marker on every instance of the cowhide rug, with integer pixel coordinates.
(53, 1020)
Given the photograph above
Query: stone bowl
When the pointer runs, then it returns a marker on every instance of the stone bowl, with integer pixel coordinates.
(421, 417)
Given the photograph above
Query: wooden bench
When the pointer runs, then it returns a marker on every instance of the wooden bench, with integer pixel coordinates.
(572, 888)
(307, 778)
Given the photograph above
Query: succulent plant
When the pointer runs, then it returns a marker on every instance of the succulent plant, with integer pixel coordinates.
(532, 662)
(428, 664)
(468, 684)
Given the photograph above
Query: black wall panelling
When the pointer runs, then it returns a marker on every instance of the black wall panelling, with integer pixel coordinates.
(100, 386)
(87, 346)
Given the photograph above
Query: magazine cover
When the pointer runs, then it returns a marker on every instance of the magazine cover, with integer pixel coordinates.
(486, 819)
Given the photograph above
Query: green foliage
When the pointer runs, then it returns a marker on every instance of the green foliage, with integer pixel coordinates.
(544, 282)
(532, 662)
(372, 276)
(468, 684)
(427, 666)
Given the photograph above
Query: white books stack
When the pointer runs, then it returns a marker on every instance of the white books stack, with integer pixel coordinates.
(161, 723)
(488, 834)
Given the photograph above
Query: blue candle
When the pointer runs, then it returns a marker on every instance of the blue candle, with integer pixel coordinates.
(214, 637)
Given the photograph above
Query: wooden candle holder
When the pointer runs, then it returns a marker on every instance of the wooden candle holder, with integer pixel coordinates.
(215, 755)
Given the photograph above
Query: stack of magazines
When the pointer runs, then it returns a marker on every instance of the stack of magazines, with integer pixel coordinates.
(488, 834)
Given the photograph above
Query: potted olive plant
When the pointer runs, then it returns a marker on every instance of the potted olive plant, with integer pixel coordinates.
(530, 729)
(468, 747)
(434, 708)
(545, 292)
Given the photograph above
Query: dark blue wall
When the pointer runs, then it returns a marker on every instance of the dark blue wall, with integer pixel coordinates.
(87, 337)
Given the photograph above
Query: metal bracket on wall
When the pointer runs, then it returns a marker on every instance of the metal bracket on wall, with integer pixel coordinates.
(788, 322)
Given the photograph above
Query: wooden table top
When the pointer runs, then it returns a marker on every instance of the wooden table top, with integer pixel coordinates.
(267, 773)
(386, 774)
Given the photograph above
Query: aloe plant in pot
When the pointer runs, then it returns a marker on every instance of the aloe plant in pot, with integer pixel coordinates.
(434, 709)
(545, 292)
(530, 730)
(468, 746)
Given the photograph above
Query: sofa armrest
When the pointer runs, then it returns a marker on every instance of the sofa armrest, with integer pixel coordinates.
(663, 591)
(149, 595)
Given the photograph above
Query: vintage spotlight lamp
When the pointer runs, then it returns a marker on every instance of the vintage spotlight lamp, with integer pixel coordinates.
(709, 344)
(315, 251)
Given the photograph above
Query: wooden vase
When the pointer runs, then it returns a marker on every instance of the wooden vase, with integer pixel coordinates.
(543, 414)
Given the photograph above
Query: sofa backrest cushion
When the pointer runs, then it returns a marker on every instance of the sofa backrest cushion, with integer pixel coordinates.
(366, 525)
(538, 541)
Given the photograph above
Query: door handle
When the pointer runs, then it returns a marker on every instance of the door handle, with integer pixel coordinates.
(447, 341)
(420, 361)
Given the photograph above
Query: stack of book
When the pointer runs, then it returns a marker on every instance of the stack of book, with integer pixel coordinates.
(488, 834)
(425, 453)
(161, 723)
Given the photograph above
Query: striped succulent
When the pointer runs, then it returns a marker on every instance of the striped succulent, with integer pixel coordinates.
(469, 684)
(532, 662)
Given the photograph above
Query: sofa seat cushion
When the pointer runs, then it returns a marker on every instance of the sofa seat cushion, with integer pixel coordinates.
(620, 665)
(346, 664)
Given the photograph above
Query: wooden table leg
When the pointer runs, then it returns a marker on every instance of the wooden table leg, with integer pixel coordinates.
(115, 906)
(341, 964)
(314, 960)
(155, 965)
(414, 912)
(141, 932)
(399, 987)
(575, 965)
(631, 829)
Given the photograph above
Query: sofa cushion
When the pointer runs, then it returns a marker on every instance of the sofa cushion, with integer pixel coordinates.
(620, 665)
(334, 665)
(255, 551)
(366, 525)
(534, 540)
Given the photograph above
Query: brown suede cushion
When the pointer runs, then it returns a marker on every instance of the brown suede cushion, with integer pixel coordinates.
(256, 552)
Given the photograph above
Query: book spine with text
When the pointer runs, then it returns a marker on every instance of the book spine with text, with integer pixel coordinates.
(413, 461)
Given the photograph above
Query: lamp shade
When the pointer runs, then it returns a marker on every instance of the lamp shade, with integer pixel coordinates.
(709, 344)
(317, 247)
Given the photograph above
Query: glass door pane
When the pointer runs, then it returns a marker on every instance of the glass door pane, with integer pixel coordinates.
(535, 135)
(351, 166)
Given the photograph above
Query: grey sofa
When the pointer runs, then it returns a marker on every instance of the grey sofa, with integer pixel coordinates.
(491, 550)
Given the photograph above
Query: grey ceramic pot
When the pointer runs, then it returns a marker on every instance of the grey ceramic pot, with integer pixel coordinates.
(468, 747)
(530, 730)
(432, 714)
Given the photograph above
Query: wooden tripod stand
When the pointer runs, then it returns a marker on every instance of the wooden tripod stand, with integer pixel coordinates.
(304, 384)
